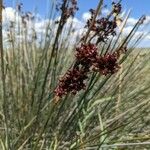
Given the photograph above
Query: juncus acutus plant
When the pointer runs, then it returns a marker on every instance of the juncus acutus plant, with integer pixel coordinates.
(67, 87)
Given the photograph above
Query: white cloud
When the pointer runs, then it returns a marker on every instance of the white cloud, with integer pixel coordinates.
(10, 14)
(147, 21)
(128, 29)
(86, 16)
(148, 37)
(77, 24)
(39, 26)
(131, 21)
(105, 11)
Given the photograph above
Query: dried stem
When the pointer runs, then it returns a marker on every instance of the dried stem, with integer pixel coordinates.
(5, 104)
(93, 20)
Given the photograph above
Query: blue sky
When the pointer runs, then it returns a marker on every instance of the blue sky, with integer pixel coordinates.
(138, 7)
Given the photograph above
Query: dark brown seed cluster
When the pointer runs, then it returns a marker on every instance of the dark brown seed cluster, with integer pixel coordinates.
(72, 82)
(19, 7)
(68, 9)
(87, 57)
(86, 54)
(26, 17)
(107, 64)
(104, 27)
(116, 8)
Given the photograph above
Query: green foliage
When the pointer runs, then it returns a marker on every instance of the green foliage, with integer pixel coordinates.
(114, 109)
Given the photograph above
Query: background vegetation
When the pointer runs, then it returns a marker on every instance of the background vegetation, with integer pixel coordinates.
(111, 113)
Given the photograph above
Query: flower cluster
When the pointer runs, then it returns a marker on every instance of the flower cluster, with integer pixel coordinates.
(116, 8)
(26, 17)
(72, 82)
(19, 7)
(104, 27)
(87, 59)
(107, 64)
(68, 9)
(86, 54)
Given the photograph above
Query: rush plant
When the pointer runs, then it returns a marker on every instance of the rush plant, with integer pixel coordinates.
(61, 90)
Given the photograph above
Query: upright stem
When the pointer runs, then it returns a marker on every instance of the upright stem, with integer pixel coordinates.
(93, 20)
(119, 91)
(3, 77)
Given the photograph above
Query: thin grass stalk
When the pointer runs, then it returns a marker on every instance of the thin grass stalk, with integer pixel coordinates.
(98, 9)
(108, 132)
(5, 102)
(59, 30)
